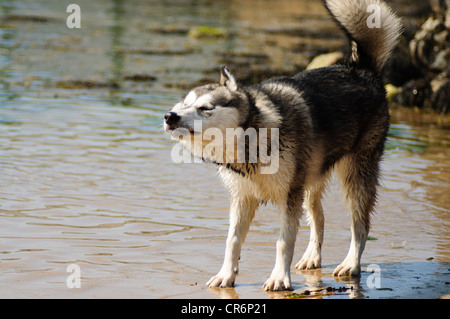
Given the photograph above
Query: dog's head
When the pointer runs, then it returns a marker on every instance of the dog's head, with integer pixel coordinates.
(221, 105)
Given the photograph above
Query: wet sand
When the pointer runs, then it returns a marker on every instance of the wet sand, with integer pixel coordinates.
(87, 177)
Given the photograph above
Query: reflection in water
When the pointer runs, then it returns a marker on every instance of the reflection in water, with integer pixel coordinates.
(87, 178)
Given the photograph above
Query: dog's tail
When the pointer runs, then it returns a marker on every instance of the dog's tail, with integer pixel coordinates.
(371, 27)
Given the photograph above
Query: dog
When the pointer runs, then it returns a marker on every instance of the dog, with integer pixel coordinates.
(325, 119)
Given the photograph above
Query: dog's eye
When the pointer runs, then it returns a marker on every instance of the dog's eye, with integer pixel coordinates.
(205, 108)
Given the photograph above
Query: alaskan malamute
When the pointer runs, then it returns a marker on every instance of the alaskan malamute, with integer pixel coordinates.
(326, 118)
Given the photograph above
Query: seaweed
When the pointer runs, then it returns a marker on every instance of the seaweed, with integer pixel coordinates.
(319, 292)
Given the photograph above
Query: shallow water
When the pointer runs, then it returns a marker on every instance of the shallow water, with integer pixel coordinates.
(87, 177)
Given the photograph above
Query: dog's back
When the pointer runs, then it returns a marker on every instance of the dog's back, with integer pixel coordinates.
(344, 103)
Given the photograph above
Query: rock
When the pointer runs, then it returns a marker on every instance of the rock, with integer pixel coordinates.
(324, 60)
(87, 84)
(421, 67)
(400, 68)
(441, 61)
(203, 32)
(391, 91)
(414, 93)
(428, 43)
(440, 98)
(140, 78)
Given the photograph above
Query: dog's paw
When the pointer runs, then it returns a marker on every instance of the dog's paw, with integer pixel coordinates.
(278, 284)
(310, 260)
(222, 281)
(347, 269)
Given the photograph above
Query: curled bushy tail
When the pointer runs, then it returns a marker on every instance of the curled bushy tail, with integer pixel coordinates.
(372, 29)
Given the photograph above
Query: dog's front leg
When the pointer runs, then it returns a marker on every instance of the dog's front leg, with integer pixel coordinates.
(242, 211)
(280, 279)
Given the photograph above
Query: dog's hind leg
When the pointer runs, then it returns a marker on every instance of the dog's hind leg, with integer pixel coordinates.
(312, 257)
(242, 211)
(359, 174)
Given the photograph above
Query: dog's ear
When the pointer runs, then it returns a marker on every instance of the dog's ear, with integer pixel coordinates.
(227, 79)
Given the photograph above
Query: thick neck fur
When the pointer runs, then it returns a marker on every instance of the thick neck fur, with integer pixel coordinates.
(257, 113)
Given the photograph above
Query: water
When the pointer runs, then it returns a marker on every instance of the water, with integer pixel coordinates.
(87, 177)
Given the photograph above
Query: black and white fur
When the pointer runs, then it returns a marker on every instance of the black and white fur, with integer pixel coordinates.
(328, 118)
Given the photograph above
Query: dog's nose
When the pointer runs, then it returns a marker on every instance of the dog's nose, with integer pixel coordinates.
(171, 118)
